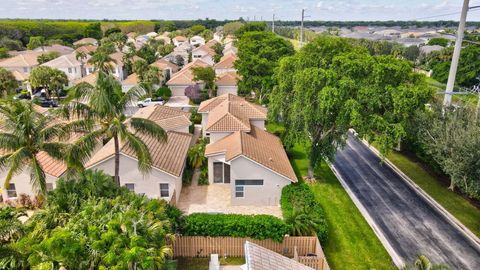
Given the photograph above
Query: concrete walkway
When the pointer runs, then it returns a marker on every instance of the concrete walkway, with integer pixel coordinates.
(411, 225)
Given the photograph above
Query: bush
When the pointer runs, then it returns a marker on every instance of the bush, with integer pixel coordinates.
(299, 197)
(163, 92)
(187, 175)
(196, 118)
(203, 179)
(234, 225)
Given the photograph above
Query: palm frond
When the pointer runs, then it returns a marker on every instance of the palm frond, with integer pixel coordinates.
(148, 127)
(81, 150)
(9, 141)
(37, 176)
(141, 151)
(131, 97)
(56, 150)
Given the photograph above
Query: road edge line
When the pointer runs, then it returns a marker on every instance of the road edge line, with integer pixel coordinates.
(470, 235)
(397, 260)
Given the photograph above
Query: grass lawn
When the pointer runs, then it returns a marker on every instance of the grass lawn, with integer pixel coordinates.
(351, 244)
(458, 206)
(202, 263)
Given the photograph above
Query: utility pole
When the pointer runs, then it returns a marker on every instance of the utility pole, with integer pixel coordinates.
(273, 23)
(447, 100)
(301, 28)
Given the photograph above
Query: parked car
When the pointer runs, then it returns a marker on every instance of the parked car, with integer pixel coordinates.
(48, 103)
(150, 101)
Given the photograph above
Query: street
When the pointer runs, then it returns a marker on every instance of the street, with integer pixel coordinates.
(409, 223)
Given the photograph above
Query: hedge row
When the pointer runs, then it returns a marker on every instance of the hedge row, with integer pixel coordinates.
(300, 196)
(234, 225)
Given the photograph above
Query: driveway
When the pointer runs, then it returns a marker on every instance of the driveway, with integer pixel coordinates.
(409, 223)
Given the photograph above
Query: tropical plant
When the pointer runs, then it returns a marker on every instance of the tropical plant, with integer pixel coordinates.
(104, 104)
(81, 56)
(102, 61)
(207, 76)
(52, 80)
(27, 133)
(302, 223)
(423, 263)
(8, 83)
(35, 42)
(45, 57)
(196, 154)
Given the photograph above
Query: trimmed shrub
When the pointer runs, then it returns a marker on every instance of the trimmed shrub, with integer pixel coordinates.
(234, 225)
(164, 92)
(203, 178)
(299, 197)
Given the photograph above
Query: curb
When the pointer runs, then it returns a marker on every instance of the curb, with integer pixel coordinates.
(397, 260)
(453, 220)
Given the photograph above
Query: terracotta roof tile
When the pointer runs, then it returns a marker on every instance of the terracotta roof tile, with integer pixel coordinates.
(22, 60)
(226, 61)
(164, 64)
(132, 79)
(227, 79)
(257, 145)
(185, 75)
(90, 78)
(87, 49)
(167, 117)
(260, 258)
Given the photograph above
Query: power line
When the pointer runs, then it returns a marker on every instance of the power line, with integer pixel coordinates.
(471, 9)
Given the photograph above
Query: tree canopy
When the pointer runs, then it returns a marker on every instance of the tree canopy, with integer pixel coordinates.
(331, 86)
(53, 80)
(8, 83)
(258, 54)
(35, 42)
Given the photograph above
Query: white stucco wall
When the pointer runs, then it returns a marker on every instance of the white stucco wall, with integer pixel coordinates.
(148, 184)
(215, 136)
(242, 168)
(204, 123)
(75, 74)
(178, 90)
(258, 123)
(22, 183)
(222, 89)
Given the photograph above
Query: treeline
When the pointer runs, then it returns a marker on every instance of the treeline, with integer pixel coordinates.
(349, 24)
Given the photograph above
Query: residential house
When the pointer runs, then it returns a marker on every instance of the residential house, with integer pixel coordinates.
(22, 79)
(179, 40)
(117, 65)
(227, 83)
(184, 78)
(242, 154)
(197, 41)
(168, 158)
(23, 63)
(73, 68)
(90, 79)
(129, 82)
(62, 50)
(260, 258)
(218, 36)
(167, 67)
(226, 64)
(166, 39)
(182, 50)
(407, 42)
(151, 35)
(87, 49)
(205, 52)
(86, 41)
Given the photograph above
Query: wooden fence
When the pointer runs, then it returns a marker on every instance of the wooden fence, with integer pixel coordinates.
(293, 247)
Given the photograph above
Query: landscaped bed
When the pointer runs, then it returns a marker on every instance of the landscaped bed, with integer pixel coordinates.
(202, 263)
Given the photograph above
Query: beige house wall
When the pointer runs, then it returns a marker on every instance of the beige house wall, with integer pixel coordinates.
(222, 89)
(22, 183)
(148, 184)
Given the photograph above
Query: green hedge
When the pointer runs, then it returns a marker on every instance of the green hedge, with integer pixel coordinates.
(300, 196)
(234, 225)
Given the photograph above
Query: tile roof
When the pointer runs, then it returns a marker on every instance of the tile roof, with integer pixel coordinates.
(90, 78)
(207, 47)
(166, 156)
(185, 75)
(260, 258)
(65, 61)
(227, 79)
(231, 113)
(257, 145)
(22, 60)
(86, 41)
(87, 49)
(62, 50)
(20, 76)
(132, 79)
(226, 61)
(164, 64)
(180, 38)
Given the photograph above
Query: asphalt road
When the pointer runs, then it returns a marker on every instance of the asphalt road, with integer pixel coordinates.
(409, 223)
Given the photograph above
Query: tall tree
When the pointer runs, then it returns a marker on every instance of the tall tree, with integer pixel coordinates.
(207, 76)
(259, 53)
(81, 56)
(105, 106)
(25, 134)
(51, 79)
(35, 42)
(8, 83)
(93, 30)
(330, 86)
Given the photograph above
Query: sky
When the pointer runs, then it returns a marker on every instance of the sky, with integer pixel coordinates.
(337, 10)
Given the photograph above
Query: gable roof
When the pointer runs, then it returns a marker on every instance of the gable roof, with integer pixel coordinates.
(226, 61)
(167, 156)
(132, 79)
(260, 258)
(185, 75)
(207, 47)
(20, 76)
(22, 60)
(87, 49)
(64, 61)
(231, 113)
(85, 41)
(227, 79)
(164, 64)
(62, 50)
(180, 38)
(257, 145)
(90, 78)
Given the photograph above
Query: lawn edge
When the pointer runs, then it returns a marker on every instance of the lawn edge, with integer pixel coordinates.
(451, 218)
(397, 260)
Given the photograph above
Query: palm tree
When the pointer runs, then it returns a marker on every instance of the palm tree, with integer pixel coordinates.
(81, 56)
(301, 223)
(196, 154)
(104, 104)
(25, 133)
(102, 61)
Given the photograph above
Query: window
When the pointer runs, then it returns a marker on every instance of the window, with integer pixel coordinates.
(69, 70)
(130, 187)
(11, 191)
(49, 186)
(25, 69)
(226, 173)
(218, 172)
(164, 192)
(239, 191)
(249, 182)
